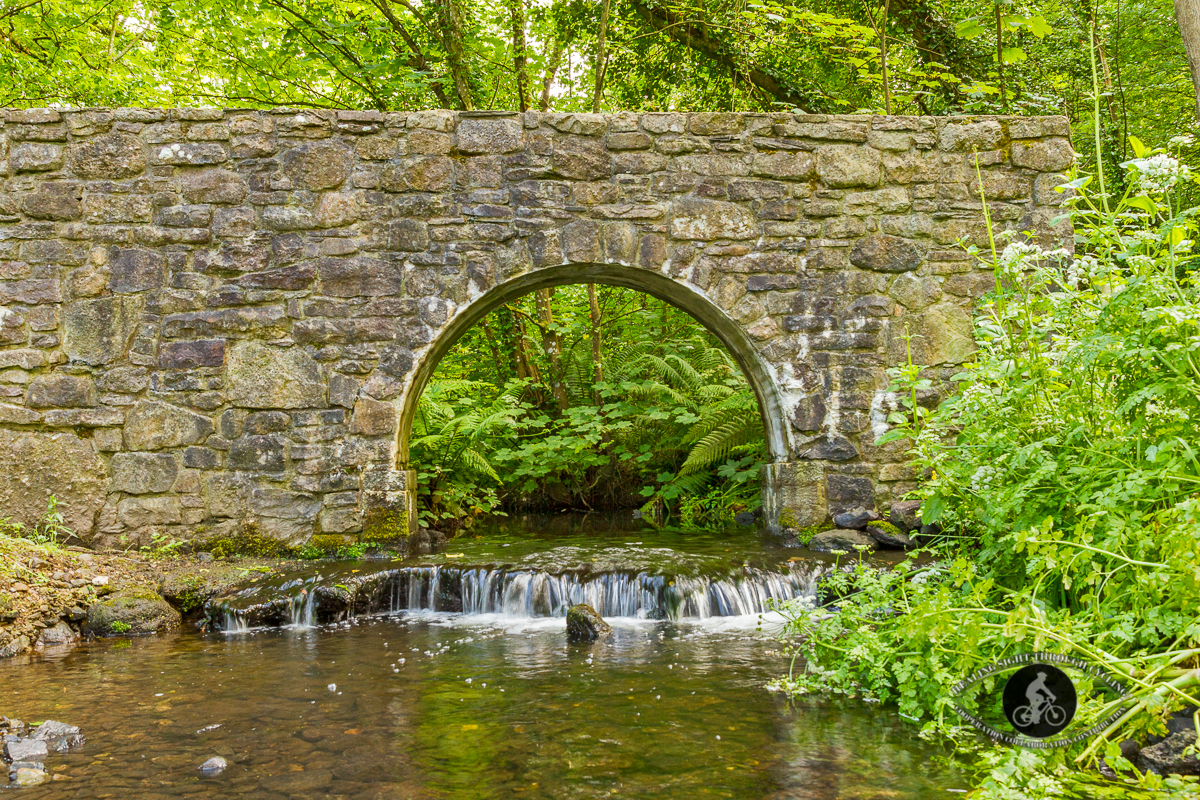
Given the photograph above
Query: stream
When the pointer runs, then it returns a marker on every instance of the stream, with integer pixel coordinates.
(448, 675)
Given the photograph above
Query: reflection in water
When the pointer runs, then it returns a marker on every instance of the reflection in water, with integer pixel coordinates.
(447, 706)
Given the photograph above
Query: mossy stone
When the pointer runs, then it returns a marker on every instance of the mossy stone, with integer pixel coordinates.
(133, 611)
(889, 536)
(385, 525)
(246, 542)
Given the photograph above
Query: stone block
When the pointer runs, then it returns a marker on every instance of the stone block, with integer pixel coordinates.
(140, 512)
(784, 165)
(884, 253)
(154, 425)
(794, 493)
(213, 186)
(113, 156)
(135, 270)
(143, 473)
(252, 453)
(59, 390)
(318, 165)
(1050, 155)
(846, 492)
(581, 159)
(35, 157)
(54, 201)
(260, 376)
(99, 331)
(190, 355)
(696, 218)
(967, 137)
(489, 136)
(848, 166)
(941, 334)
(373, 418)
(41, 465)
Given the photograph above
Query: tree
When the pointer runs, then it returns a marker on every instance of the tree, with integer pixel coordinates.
(1187, 16)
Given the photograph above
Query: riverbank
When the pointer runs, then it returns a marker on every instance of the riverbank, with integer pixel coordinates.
(47, 591)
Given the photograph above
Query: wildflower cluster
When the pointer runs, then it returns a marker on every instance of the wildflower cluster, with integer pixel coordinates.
(1159, 174)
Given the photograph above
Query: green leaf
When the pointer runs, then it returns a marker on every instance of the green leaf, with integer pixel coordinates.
(1013, 55)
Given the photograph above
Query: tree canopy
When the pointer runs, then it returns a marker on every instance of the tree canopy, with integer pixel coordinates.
(898, 56)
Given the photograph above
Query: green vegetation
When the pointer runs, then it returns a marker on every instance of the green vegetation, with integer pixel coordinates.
(246, 541)
(593, 397)
(120, 627)
(903, 57)
(1064, 473)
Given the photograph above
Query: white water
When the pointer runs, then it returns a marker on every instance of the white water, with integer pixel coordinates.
(539, 595)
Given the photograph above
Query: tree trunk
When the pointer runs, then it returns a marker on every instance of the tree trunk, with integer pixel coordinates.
(552, 347)
(450, 19)
(600, 56)
(552, 65)
(1187, 16)
(516, 9)
(597, 363)
(1000, 58)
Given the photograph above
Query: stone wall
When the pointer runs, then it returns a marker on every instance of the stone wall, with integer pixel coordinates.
(225, 316)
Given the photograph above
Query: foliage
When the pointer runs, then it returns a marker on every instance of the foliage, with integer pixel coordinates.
(665, 411)
(52, 530)
(1065, 474)
(120, 626)
(351, 552)
(907, 56)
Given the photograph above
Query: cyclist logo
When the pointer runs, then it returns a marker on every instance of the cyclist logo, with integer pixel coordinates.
(1039, 700)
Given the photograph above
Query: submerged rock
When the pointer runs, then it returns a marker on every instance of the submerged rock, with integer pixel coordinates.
(133, 611)
(745, 518)
(58, 736)
(28, 776)
(1167, 757)
(585, 625)
(214, 766)
(828, 541)
(889, 536)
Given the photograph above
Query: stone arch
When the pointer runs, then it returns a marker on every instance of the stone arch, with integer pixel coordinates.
(680, 294)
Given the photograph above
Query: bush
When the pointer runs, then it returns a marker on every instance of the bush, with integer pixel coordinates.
(1066, 465)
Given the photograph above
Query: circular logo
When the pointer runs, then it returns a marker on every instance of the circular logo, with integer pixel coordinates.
(1039, 700)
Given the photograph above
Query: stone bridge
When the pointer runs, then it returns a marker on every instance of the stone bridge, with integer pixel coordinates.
(221, 318)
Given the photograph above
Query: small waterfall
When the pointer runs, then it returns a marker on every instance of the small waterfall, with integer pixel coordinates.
(474, 590)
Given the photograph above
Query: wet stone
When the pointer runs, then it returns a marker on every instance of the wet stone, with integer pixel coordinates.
(847, 541)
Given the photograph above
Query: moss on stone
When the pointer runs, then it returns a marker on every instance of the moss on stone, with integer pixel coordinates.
(787, 518)
(135, 610)
(385, 525)
(247, 542)
(329, 542)
(886, 527)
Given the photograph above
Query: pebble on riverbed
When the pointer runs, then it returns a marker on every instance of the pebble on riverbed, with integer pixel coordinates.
(214, 766)
(25, 750)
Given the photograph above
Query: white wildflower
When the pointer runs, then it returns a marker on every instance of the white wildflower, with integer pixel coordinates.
(1159, 174)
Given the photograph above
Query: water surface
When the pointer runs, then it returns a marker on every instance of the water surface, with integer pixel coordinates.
(428, 704)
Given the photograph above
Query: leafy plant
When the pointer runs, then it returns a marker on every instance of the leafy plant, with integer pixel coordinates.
(1065, 466)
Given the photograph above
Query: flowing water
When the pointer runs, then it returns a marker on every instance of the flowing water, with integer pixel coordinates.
(373, 690)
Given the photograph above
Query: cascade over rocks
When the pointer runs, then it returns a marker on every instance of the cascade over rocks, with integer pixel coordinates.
(164, 285)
